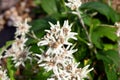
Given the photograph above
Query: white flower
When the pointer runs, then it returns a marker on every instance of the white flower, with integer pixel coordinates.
(118, 29)
(57, 37)
(19, 43)
(3, 74)
(22, 27)
(59, 55)
(73, 4)
(21, 56)
(50, 79)
(85, 71)
(72, 72)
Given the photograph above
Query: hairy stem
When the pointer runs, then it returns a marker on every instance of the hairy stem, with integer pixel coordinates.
(83, 25)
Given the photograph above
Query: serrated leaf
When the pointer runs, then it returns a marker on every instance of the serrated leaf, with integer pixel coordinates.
(49, 6)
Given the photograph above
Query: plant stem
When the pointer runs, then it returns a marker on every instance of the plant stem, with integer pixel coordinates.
(33, 37)
(83, 25)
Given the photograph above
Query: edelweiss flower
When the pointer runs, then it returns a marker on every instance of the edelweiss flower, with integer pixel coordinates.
(21, 56)
(22, 28)
(79, 73)
(118, 30)
(19, 43)
(57, 37)
(72, 72)
(73, 4)
(3, 74)
(58, 56)
(85, 71)
(19, 52)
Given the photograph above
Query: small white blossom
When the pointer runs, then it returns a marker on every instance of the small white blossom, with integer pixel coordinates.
(22, 27)
(50, 79)
(3, 74)
(19, 43)
(118, 29)
(19, 52)
(21, 56)
(85, 71)
(72, 72)
(57, 37)
(73, 4)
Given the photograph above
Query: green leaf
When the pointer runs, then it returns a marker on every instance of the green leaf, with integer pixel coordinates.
(34, 48)
(110, 56)
(96, 40)
(110, 71)
(103, 31)
(8, 43)
(11, 71)
(108, 46)
(102, 8)
(81, 54)
(87, 20)
(39, 24)
(38, 27)
(114, 56)
(108, 32)
(110, 59)
(49, 6)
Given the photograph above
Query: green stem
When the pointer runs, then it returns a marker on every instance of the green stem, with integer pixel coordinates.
(32, 36)
(79, 38)
(84, 27)
(63, 2)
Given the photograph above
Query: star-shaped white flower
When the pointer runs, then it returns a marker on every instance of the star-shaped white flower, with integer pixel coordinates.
(22, 27)
(73, 4)
(3, 74)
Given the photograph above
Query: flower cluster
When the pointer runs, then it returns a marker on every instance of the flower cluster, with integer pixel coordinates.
(58, 56)
(18, 51)
(73, 4)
